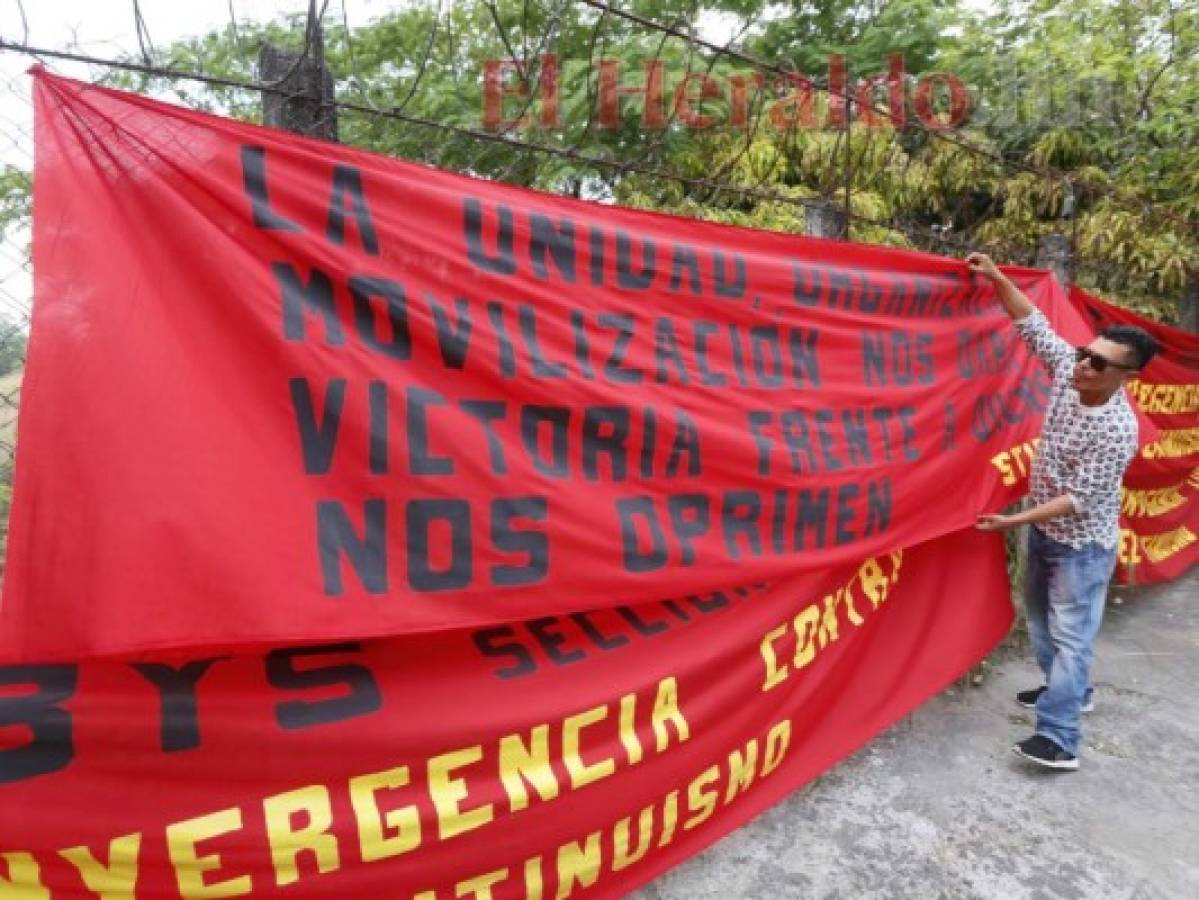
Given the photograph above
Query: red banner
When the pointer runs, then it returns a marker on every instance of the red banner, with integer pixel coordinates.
(280, 390)
(562, 756)
(456, 440)
(1159, 525)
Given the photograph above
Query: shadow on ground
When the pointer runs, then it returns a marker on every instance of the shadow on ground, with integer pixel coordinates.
(939, 806)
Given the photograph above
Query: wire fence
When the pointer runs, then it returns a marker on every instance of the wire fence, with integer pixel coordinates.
(853, 160)
(16, 280)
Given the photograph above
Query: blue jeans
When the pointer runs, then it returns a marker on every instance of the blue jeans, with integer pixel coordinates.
(1064, 597)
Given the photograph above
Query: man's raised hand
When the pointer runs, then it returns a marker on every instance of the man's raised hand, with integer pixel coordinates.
(981, 264)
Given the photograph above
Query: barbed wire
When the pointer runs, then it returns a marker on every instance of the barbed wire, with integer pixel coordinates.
(24, 21)
(846, 96)
(421, 69)
(275, 88)
(144, 40)
(714, 187)
(234, 31)
(727, 50)
(918, 234)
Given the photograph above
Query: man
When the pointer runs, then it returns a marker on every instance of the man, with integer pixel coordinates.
(1088, 439)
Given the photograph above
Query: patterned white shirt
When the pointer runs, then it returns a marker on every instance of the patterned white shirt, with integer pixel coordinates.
(1084, 450)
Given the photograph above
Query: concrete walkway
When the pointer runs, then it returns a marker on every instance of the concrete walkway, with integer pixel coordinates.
(939, 806)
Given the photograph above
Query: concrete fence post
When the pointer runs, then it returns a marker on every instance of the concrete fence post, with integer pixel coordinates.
(303, 102)
(826, 220)
(1055, 252)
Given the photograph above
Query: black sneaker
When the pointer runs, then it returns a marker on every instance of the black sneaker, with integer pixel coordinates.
(1028, 699)
(1044, 752)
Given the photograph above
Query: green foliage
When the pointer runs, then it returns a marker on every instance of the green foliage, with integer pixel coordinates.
(1088, 96)
(806, 33)
(12, 349)
(1112, 101)
(16, 198)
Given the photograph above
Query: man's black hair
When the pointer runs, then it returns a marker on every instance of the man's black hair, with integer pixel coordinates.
(1140, 341)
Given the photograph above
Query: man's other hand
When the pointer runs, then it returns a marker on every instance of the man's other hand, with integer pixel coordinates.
(995, 522)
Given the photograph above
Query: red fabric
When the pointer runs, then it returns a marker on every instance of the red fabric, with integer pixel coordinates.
(411, 701)
(163, 498)
(1159, 525)
(179, 450)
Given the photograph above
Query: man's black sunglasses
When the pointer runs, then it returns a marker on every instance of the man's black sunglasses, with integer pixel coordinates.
(1098, 362)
